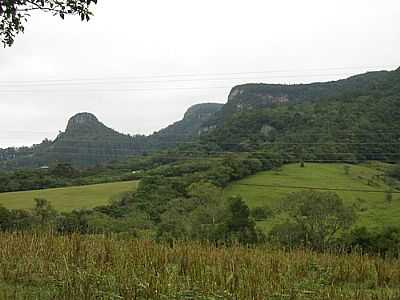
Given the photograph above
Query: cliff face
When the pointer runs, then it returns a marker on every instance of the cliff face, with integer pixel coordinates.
(254, 96)
(87, 126)
(83, 121)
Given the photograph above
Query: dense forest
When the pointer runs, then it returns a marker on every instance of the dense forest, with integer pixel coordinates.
(361, 122)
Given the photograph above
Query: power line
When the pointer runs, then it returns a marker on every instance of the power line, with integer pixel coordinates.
(4, 92)
(201, 74)
(80, 83)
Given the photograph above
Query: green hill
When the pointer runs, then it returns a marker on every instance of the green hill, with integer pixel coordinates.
(70, 198)
(372, 208)
(355, 119)
(86, 141)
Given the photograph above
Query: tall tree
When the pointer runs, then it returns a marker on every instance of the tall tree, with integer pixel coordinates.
(14, 13)
(316, 219)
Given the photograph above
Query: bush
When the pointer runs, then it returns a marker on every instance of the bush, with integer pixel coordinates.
(261, 213)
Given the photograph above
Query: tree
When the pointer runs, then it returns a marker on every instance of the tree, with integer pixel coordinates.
(173, 226)
(389, 196)
(394, 172)
(5, 218)
(316, 219)
(261, 213)
(75, 221)
(238, 225)
(44, 212)
(14, 13)
(64, 170)
(346, 169)
(205, 192)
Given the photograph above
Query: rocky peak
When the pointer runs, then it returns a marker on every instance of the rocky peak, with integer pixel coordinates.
(82, 119)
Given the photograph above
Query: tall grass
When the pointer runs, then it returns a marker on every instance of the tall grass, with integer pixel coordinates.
(45, 266)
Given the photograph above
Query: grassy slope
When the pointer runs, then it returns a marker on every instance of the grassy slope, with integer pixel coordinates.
(67, 199)
(373, 209)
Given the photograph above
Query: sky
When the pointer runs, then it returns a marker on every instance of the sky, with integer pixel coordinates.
(138, 65)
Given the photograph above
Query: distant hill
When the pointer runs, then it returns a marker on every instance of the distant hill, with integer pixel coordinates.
(86, 141)
(352, 119)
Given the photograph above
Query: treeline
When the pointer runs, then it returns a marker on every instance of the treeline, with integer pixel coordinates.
(65, 174)
(183, 200)
(319, 221)
(61, 175)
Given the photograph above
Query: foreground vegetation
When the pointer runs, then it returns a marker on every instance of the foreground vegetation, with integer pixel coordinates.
(97, 267)
(70, 198)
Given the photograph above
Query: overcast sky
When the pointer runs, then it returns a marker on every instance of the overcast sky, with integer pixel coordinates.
(138, 65)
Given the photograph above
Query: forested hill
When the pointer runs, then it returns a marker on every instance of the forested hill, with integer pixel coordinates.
(254, 96)
(186, 129)
(356, 118)
(86, 141)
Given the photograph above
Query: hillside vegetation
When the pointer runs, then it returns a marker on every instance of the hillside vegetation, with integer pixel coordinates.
(357, 123)
(373, 208)
(70, 198)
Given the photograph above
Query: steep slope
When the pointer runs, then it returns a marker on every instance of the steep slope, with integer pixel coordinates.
(187, 128)
(353, 119)
(250, 97)
(87, 141)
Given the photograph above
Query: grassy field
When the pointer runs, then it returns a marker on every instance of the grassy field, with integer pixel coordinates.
(70, 198)
(373, 209)
(96, 267)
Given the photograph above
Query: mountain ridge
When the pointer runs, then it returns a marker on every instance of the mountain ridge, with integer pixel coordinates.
(251, 96)
(254, 113)
(87, 141)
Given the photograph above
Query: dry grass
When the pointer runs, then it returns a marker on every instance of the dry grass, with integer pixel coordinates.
(96, 267)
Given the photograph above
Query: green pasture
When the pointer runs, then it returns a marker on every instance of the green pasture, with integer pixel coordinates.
(373, 208)
(69, 198)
